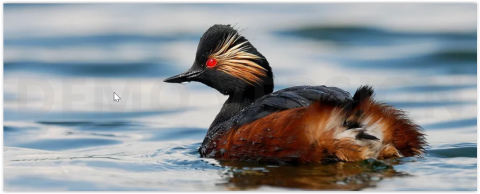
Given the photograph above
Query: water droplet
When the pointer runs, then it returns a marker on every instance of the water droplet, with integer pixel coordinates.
(222, 151)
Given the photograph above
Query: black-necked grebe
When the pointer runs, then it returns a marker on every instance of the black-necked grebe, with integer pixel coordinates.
(300, 124)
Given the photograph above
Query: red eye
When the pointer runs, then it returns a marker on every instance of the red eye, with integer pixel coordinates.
(211, 63)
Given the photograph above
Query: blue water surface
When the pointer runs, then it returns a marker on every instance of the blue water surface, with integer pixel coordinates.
(63, 131)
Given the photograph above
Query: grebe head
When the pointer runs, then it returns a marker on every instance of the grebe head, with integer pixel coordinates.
(228, 62)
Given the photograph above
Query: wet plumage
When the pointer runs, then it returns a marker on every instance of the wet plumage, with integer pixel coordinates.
(300, 124)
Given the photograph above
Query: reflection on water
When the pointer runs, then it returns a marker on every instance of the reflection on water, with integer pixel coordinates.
(335, 176)
(62, 62)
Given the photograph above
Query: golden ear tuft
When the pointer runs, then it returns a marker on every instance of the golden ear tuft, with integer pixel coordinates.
(236, 62)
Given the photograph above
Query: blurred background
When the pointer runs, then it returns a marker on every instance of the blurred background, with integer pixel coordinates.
(62, 63)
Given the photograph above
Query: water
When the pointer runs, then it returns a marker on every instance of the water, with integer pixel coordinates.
(62, 63)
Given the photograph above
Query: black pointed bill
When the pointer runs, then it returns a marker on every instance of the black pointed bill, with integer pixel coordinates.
(183, 77)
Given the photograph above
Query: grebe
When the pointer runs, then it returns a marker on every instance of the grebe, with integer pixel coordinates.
(301, 124)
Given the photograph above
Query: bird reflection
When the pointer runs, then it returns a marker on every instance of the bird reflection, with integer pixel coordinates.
(334, 176)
